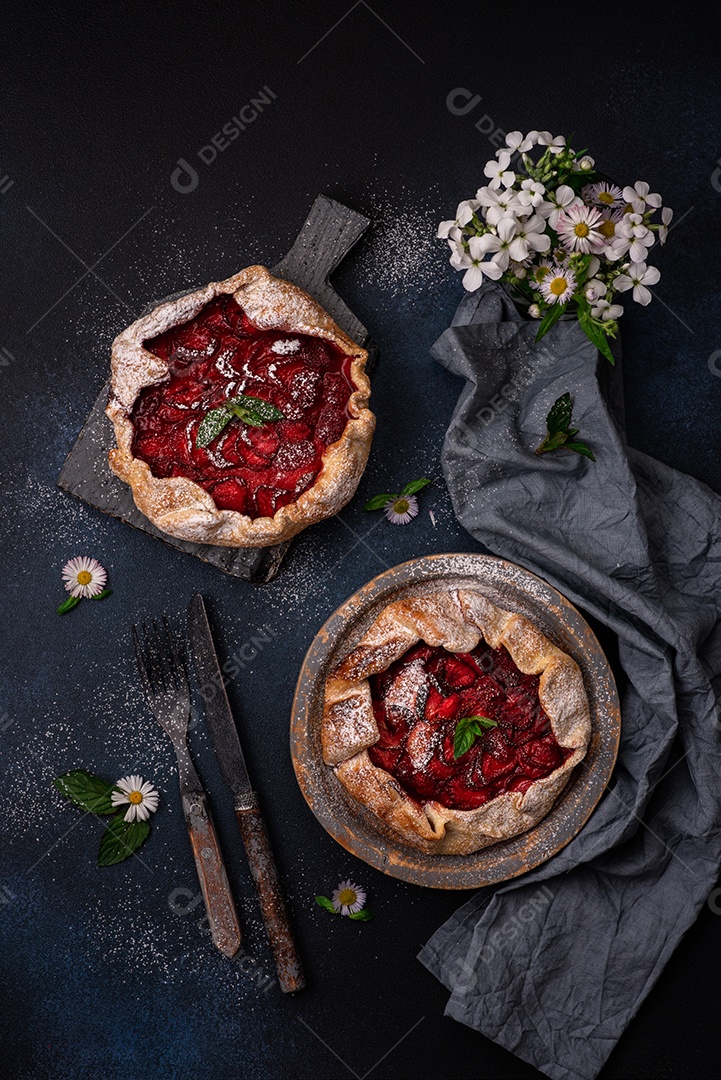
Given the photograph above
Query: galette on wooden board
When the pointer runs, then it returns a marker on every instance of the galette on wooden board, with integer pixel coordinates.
(240, 412)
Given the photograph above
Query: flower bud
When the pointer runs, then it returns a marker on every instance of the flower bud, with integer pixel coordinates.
(586, 163)
(534, 311)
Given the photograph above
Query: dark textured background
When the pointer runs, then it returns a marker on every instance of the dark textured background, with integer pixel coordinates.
(104, 974)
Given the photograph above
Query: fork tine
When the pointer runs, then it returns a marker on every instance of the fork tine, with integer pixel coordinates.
(178, 666)
(166, 650)
(161, 658)
(141, 659)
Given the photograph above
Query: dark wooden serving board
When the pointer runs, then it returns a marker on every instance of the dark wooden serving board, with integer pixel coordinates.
(330, 231)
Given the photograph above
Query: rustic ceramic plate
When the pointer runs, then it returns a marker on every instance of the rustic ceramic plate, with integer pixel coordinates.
(361, 832)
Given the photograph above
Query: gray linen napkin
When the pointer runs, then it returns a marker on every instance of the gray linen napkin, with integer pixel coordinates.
(554, 965)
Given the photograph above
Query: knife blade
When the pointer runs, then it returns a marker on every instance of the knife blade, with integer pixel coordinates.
(231, 762)
(223, 732)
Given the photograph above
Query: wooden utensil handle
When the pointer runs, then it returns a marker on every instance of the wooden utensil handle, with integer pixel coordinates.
(275, 915)
(218, 899)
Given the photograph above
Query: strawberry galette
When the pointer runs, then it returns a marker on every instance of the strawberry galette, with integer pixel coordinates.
(240, 412)
(456, 722)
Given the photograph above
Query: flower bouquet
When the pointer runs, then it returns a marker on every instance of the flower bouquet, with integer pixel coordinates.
(560, 237)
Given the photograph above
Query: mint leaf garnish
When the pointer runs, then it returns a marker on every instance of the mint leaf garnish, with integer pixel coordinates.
(468, 729)
(121, 839)
(212, 424)
(69, 604)
(251, 410)
(559, 433)
(86, 791)
(364, 915)
(264, 410)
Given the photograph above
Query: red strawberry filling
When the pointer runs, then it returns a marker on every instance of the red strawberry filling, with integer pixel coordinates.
(220, 354)
(417, 704)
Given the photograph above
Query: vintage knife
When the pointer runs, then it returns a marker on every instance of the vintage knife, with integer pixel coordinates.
(224, 736)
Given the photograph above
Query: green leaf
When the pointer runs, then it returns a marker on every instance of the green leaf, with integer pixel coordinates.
(361, 916)
(596, 335)
(552, 442)
(264, 409)
(247, 415)
(415, 486)
(324, 902)
(69, 604)
(121, 839)
(468, 729)
(378, 501)
(580, 448)
(550, 319)
(103, 595)
(559, 416)
(86, 791)
(212, 424)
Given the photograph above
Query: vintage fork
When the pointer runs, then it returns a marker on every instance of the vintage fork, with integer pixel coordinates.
(165, 681)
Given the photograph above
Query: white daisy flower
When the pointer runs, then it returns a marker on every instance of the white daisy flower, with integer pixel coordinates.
(400, 511)
(84, 577)
(578, 229)
(608, 226)
(603, 194)
(348, 899)
(605, 310)
(557, 287)
(541, 271)
(638, 277)
(139, 794)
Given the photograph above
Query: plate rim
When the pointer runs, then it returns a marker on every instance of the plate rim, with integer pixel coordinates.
(323, 643)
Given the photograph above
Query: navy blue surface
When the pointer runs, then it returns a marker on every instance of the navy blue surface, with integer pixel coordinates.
(104, 971)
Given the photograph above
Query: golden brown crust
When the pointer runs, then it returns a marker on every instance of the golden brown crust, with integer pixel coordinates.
(182, 508)
(455, 620)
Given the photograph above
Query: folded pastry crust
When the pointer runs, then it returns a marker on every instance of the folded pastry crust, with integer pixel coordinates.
(456, 620)
(177, 505)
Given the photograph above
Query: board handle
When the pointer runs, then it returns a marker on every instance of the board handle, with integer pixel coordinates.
(329, 232)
